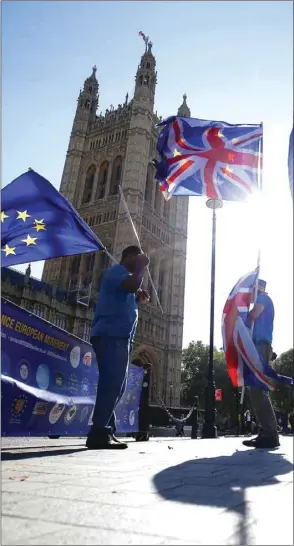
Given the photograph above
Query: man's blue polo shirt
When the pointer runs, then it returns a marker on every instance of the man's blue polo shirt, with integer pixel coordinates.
(116, 312)
(264, 324)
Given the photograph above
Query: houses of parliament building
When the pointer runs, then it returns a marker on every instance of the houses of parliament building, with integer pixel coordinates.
(106, 151)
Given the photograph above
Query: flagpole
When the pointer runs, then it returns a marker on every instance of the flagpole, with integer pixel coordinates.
(260, 182)
(209, 429)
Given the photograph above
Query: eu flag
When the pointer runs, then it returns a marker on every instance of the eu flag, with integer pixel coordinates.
(38, 223)
(290, 162)
(210, 158)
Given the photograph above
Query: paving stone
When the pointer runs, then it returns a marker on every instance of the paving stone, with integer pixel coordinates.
(21, 531)
(198, 492)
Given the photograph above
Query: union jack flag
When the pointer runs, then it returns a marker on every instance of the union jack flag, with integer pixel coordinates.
(210, 158)
(145, 38)
(244, 363)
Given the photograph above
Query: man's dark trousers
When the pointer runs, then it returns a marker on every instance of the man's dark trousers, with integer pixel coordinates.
(112, 354)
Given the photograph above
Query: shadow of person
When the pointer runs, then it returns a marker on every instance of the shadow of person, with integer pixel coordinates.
(223, 481)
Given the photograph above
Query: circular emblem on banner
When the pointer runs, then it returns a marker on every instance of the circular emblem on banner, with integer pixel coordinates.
(87, 359)
(24, 369)
(131, 417)
(90, 422)
(70, 415)
(84, 414)
(43, 376)
(56, 413)
(59, 380)
(74, 357)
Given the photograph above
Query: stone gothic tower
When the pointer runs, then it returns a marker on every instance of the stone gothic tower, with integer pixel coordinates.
(105, 151)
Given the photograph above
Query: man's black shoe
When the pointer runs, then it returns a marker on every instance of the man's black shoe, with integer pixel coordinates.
(104, 443)
(116, 440)
(262, 443)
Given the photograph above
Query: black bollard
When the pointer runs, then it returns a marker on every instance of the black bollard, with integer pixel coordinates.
(194, 419)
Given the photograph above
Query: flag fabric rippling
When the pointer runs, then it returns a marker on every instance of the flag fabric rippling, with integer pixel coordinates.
(210, 158)
(245, 365)
(38, 223)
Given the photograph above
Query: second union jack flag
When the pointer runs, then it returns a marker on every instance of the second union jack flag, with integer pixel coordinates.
(209, 158)
(245, 365)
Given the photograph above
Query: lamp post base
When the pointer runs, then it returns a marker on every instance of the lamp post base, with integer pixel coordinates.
(209, 431)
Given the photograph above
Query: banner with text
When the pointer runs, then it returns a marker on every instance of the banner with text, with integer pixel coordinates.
(49, 379)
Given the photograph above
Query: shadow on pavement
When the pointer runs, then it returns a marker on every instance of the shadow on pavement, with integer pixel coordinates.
(222, 481)
(12, 456)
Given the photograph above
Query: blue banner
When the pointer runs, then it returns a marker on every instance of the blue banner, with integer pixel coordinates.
(49, 379)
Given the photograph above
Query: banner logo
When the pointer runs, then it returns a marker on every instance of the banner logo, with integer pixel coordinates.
(87, 359)
(70, 415)
(43, 377)
(19, 405)
(40, 408)
(74, 357)
(56, 413)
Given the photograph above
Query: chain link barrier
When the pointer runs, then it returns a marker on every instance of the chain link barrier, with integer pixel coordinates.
(175, 419)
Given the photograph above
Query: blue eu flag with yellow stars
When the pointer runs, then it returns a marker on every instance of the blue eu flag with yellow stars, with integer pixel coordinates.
(38, 223)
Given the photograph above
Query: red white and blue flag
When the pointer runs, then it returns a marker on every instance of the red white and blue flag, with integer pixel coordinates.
(210, 158)
(245, 365)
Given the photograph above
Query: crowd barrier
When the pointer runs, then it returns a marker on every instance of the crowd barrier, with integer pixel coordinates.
(49, 379)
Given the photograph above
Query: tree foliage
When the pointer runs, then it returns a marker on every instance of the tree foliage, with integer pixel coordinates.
(194, 380)
(195, 360)
(283, 399)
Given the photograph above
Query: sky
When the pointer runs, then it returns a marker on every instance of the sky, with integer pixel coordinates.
(234, 60)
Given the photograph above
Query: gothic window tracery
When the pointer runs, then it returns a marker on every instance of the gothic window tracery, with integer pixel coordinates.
(88, 184)
(115, 176)
(149, 184)
(158, 197)
(101, 187)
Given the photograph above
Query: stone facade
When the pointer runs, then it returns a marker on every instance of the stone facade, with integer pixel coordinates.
(105, 151)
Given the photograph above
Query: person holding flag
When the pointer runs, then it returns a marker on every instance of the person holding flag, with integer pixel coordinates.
(262, 318)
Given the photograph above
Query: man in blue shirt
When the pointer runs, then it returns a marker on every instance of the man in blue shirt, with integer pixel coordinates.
(112, 333)
(262, 317)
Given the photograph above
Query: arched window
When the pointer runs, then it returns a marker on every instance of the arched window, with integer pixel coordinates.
(88, 184)
(149, 184)
(89, 267)
(166, 209)
(101, 187)
(146, 80)
(158, 198)
(115, 176)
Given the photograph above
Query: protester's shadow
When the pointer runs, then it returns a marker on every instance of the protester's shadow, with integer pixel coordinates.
(222, 481)
(10, 455)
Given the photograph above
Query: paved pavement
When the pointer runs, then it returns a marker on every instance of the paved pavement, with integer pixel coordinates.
(170, 491)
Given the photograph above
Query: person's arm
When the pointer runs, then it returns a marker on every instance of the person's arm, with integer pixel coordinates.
(134, 281)
(254, 313)
(258, 308)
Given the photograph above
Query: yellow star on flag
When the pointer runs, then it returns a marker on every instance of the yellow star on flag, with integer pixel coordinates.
(38, 226)
(39, 221)
(8, 250)
(30, 240)
(23, 215)
(176, 152)
(3, 216)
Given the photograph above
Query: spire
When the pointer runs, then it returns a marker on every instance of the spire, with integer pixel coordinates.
(184, 110)
(88, 97)
(146, 76)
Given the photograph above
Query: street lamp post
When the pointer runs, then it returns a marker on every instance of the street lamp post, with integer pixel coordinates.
(209, 428)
